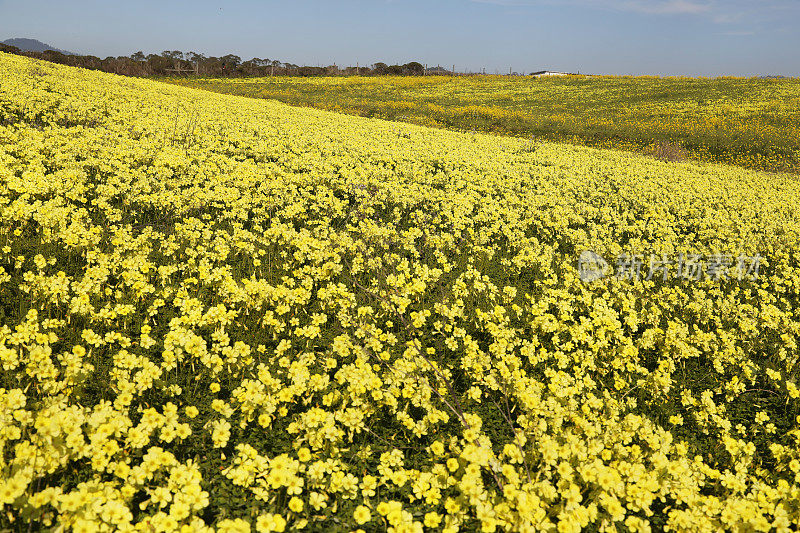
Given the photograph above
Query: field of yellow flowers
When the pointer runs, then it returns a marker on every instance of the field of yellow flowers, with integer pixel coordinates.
(753, 123)
(222, 313)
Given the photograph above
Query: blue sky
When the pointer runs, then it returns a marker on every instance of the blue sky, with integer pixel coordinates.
(663, 37)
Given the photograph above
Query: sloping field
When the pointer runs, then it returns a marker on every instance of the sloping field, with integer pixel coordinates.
(225, 312)
(753, 123)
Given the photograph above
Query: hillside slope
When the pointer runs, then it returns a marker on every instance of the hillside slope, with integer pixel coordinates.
(219, 311)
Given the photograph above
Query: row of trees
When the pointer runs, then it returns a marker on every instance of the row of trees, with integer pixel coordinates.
(177, 63)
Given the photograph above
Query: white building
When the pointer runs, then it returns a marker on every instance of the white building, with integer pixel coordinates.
(543, 73)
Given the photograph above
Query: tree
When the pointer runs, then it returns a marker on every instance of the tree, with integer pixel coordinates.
(158, 65)
(232, 60)
(414, 68)
(175, 55)
(395, 70)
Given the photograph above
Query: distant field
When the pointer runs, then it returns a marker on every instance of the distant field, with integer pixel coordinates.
(753, 123)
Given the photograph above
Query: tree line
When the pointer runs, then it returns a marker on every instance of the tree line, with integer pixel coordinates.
(177, 63)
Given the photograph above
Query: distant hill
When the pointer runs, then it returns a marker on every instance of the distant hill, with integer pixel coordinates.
(32, 45)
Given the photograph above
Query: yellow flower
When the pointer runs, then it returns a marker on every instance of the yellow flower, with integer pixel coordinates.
(295, 504)
(432, 520)
(270, 522)
(221, 432)
(304, 454)
(362, 515)
(437, 448)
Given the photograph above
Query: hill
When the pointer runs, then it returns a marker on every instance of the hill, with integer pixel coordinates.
(32, 45)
